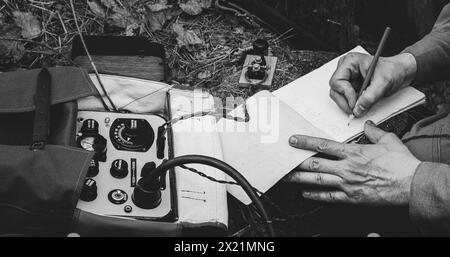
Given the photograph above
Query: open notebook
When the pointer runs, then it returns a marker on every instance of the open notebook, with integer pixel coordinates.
(259, 149)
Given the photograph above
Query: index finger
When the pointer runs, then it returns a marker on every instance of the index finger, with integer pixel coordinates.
(340, 81)
(320, 145)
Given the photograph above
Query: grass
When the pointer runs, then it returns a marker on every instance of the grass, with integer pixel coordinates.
(214, 65)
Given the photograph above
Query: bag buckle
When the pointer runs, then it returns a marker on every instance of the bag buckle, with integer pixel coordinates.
(39, 145)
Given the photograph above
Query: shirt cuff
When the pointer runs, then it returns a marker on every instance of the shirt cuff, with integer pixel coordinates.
(429, 205)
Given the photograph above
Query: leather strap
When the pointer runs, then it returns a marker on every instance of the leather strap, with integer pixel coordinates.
(42, 111)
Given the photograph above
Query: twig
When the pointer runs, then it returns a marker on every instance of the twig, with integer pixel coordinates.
(92, 62)
(62, 22)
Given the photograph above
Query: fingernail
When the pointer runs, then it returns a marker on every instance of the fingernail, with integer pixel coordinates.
(293, 140)
(359, 110)
(371, 123)
(305, 194)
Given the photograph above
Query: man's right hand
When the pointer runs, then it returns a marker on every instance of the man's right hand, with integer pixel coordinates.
(391, 74)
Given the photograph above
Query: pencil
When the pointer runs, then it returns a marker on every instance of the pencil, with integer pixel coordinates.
(372, 67)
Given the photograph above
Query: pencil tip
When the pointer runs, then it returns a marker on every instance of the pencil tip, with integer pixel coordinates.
(350, 118)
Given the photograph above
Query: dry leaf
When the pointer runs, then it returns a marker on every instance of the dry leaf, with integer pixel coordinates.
(157, 20)
(10, 51)
(119, 20)
(239, 30)
(157, 5)
(130, 29)
(30, 25)
(110, 4)
(186, 37)
(96, 7)
(204, 74)
(194, 7)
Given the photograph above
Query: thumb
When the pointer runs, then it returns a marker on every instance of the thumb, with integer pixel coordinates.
(373, 132)
(370, 96)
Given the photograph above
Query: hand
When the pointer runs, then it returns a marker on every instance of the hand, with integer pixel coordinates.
(391, 74)
(378, 174)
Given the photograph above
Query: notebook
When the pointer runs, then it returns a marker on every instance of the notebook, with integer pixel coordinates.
(259, 148)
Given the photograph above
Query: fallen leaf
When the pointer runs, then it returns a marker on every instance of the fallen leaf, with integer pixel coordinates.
(96, 7)
(218, 39)
(110, 4)
(239, 30)
(204, 74)
(131, 29)
(120, 20)
(194, 7)
(10, 51)
(157, 5)
(186, 37)
(30, 25)
(156, 20)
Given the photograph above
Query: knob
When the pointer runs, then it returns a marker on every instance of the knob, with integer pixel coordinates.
(119, 169)
(94, 143)
(260, 46)
(89, 192)
(131, 130)
(90, 126)
(117, 196)
(146, 196)
(93, 169)
(148, 167)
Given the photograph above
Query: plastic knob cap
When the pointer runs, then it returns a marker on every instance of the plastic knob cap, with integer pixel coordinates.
(119, 169)
(89, 192)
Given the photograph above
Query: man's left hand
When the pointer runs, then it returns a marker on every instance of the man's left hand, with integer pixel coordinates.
(377, 174)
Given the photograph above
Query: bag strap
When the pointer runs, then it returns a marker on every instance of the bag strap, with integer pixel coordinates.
(42, 111)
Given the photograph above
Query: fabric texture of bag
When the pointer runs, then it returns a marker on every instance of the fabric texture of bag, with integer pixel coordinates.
(41, 172)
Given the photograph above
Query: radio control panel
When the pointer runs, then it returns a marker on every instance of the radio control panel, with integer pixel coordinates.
(125, 149)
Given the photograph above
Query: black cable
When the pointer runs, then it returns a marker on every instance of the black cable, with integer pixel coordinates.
(261, 194)
(153, 176)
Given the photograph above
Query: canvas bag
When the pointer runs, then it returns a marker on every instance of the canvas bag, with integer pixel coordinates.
(39, 189)
(41, 172)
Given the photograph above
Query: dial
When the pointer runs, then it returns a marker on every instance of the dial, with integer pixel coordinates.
(87, 143)
(94, 143)
(132, 135)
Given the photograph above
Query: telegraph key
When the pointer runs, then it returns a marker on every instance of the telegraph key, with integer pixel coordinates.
(125, 150)
(259, 67)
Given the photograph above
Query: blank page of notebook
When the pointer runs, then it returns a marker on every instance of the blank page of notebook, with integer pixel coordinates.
(259, 148)
(309, 96)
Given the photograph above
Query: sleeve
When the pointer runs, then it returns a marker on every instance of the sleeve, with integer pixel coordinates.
(432, 53)
(429, 205)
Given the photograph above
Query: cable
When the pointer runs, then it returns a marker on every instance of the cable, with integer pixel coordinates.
(205, 113)
(149, 180)
(261, 194)
(92, 63)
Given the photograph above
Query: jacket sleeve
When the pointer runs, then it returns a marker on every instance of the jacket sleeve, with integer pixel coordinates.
(432, 53)
(429, 205)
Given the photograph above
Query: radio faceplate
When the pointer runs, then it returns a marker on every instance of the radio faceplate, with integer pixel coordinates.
(130, 144)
